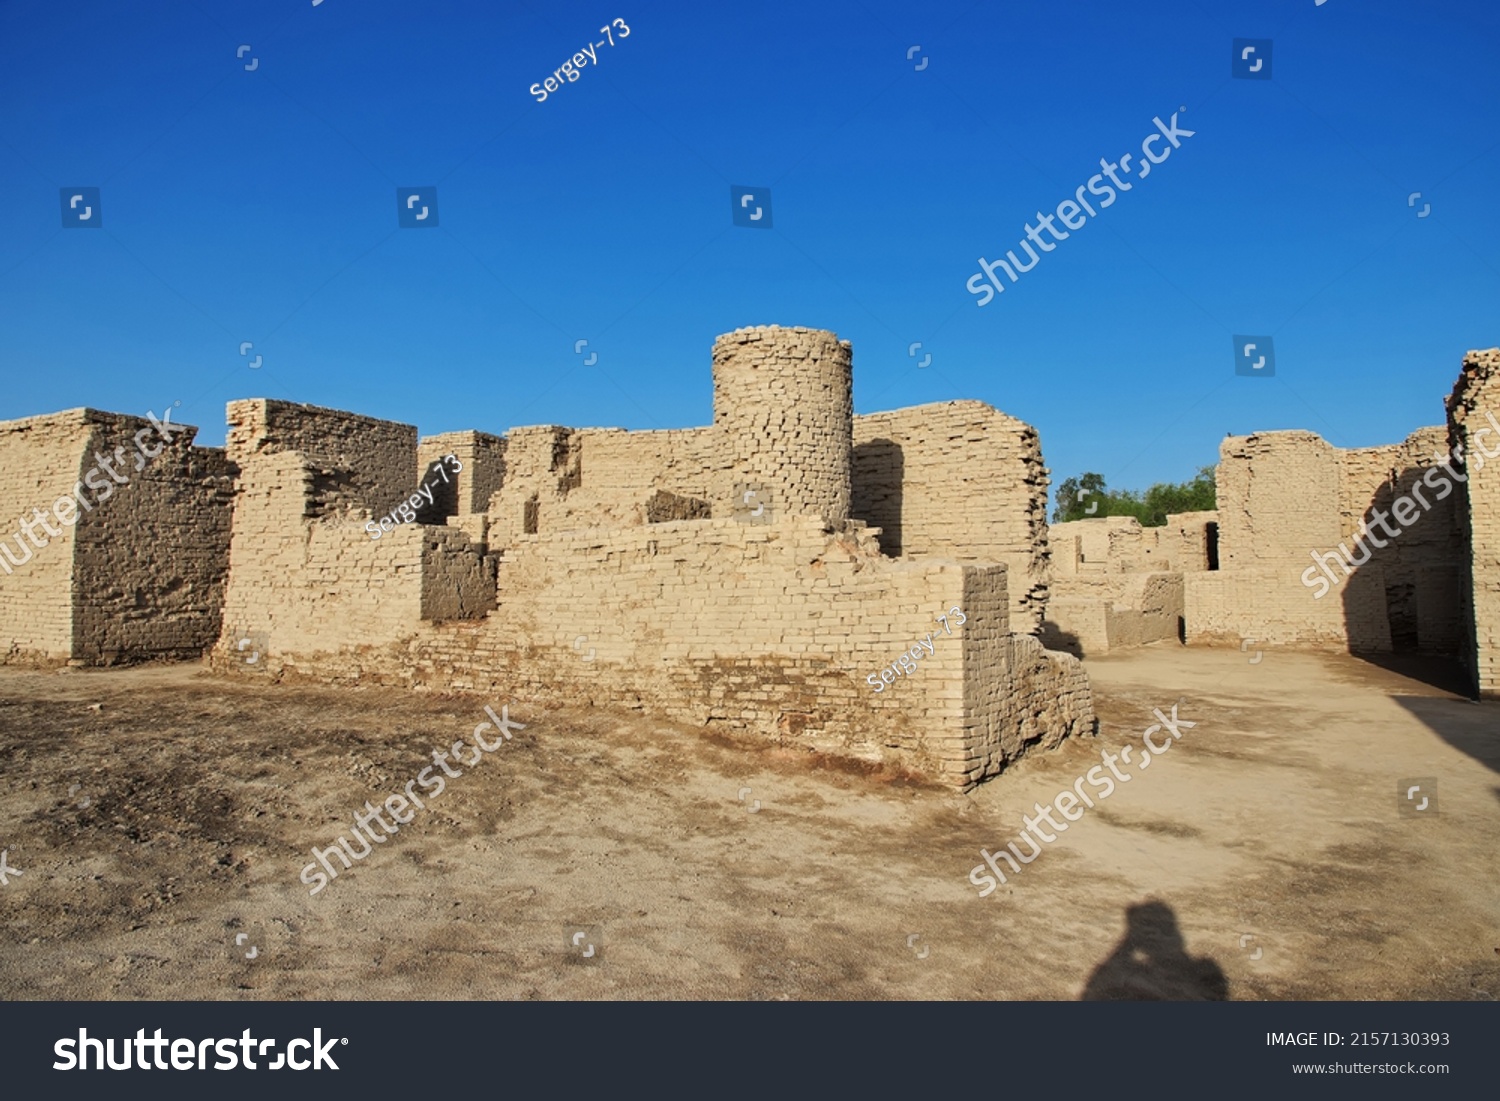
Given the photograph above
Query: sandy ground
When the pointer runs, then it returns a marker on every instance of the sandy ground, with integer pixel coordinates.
(159, 815)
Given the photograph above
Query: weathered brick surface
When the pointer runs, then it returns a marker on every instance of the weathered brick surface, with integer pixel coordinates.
(765, 630)
(959, 480)
(1284, 496)
(1116, 584)
(784, 406)
(625, 569)
(1473, 410)
(140, 570)
(41, 459)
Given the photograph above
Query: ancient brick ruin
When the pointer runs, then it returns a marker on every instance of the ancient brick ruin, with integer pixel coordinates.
(1287, 558)
(753, 576)
(140, 570)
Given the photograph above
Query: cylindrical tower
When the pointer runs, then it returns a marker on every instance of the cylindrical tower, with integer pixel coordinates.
(784, 406)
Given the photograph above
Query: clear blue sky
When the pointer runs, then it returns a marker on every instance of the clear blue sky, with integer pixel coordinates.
(261, 206)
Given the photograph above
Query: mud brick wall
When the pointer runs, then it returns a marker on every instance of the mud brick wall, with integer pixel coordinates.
(784, 405)
(562, 479)
(1420, 569)
(1119, 544)
(482, 457)
(309, 582)
(152, 561)
(458, 579)
(543, 465)
(360, 462)
(1473, 409)
(140, 573)
(760, 630)
(1090, 615)
(1285, 495)
(304, 578)
(1183, 543)
(958, 480)
(41, 459)
(1017, 696)
(1108, 544)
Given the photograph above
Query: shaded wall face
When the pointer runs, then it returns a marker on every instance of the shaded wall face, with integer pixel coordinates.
(467, 491)
(359, 462)
(958, 480)
(1398, 496)
(41, 460)
(152, 562)
(1305, 555)
(1474, 424)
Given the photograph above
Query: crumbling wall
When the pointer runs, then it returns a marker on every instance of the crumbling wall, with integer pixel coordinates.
(1116, 584)
(300, 581)
(1091, 615)
(42, 459)
(361, 462)
(1473, 419)
(1018, 696)
(151, 564)
(135, 566)
(958, 480)
(599, 477)
(467, 491)
(1296, 567)
(458, 579)
(764, 630)
(306, 575)
(1188, 541)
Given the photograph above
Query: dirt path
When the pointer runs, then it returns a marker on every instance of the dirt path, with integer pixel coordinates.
(155, 831)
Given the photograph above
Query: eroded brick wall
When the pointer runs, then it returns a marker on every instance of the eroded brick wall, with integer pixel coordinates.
(1474, 424)
(358, 462)
(137, 566)
(1284, 497)
(41, 459)
(766, 630)
(958, 480)
(466, 492)
(152, 562)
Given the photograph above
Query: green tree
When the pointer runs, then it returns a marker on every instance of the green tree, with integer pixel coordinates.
(1087, 497)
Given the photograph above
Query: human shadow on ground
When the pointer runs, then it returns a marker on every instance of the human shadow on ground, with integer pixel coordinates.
(1151, 964)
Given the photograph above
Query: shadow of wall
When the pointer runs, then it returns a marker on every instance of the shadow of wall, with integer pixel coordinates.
(876, 492)
(1401, 574)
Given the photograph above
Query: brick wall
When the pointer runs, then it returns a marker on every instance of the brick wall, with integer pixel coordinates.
(1284, 497)
(41, 459)
(138, 566)
(1473, 410)
(360, 462)
(783, 404)
(958, 480)
(766, 630)
(151, 564)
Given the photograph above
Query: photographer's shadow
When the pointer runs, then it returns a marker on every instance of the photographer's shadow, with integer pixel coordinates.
(1151, 963)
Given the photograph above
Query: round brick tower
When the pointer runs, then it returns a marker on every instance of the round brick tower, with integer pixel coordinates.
(784, 403)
